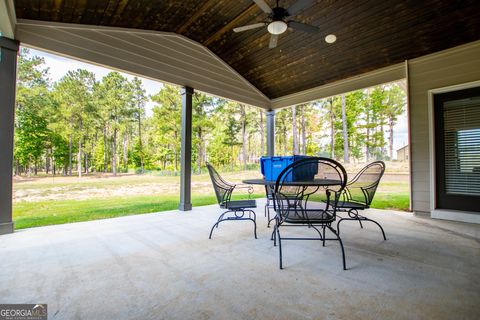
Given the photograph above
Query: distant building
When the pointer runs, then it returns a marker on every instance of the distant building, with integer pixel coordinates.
(403, 153)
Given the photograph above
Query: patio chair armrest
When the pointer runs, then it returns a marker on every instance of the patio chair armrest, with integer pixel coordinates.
(249, 187)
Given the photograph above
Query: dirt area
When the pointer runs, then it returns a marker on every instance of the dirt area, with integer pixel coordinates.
(48, 188)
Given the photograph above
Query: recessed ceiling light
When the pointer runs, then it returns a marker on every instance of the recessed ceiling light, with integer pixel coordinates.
(331, 38)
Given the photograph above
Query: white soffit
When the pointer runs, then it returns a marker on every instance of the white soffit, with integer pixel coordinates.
(7, 18)
(164, 56)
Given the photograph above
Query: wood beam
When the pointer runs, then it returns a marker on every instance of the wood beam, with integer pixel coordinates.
(229, 26)
(194, 17)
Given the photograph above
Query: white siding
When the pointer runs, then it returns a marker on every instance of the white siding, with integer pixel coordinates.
(446, 68)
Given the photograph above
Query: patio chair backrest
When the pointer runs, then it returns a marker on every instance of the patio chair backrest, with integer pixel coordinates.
(223, 189)
(289, 197)
(362, 187)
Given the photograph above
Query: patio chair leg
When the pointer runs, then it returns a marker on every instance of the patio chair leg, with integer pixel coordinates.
(318, 231)
(268, 217)
(280, 248)
(378, 224)
(338, 225)
(364, 219)
(254, 220)
(220, 218)
(341, 246)
(274, 236)
(211, 231)
(323, 237)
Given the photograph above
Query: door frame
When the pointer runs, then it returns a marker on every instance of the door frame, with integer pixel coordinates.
(447, 214)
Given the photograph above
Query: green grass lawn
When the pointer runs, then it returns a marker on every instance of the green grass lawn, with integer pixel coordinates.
(36, 214)
(26, 214)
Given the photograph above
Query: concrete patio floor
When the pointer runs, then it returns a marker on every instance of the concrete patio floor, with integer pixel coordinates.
(163, 266)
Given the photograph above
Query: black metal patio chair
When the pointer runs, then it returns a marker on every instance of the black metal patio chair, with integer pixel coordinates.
(359, 192)
(269, 204)
(308, 200)
(235, 209)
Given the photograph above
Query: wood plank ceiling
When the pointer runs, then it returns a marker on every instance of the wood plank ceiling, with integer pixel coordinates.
(370, 33)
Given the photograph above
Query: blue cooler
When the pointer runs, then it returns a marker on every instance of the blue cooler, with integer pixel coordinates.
(272, 166)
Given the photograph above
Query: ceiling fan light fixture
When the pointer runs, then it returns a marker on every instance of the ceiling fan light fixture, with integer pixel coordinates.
(277, 27)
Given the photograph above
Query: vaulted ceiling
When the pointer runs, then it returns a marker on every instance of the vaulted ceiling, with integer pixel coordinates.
(370, 33)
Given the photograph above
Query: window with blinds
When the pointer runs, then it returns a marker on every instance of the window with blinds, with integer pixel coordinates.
(462, 146)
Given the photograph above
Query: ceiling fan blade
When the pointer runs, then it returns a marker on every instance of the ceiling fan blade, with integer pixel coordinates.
(250, 27)
(297, 6)
(263, 5)
(302, 26)
(273, 41)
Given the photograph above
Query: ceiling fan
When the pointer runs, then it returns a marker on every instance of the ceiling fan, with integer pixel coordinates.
(277, 22)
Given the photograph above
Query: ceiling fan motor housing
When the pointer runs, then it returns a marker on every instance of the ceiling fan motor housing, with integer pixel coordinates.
(278, 14)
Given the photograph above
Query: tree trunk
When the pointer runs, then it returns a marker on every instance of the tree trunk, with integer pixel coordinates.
(47, 162)
(105, 150)
(332, 130)
(262, 135)
(304, 133)
(367, 140)
(233, 158)
(346, 155)
(176, 154)
(244, 136)
(79, 157)
(125, 152)
(140, 145)
(114, 152)
(199, 155)
(294, 130)
(390, 138)
(70, 155)
(85, 163)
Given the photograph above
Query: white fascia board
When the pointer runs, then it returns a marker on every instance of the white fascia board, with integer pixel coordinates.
(379, 76)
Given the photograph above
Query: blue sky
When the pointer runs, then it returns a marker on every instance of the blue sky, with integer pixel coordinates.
(58, 67)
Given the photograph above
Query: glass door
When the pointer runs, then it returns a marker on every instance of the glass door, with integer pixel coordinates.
(457, 149)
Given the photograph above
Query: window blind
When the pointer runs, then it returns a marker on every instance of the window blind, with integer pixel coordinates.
(462, 146)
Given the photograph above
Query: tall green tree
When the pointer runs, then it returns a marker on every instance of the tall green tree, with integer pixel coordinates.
(139, 99)
(114, 100)
(74, 93)
(167, 124)
(201, 125)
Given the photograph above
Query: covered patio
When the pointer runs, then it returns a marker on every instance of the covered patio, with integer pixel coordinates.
(162, 266)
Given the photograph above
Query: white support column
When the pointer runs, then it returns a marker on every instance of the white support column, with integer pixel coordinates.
(186, 151)
(271, 133)
(8, 66)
